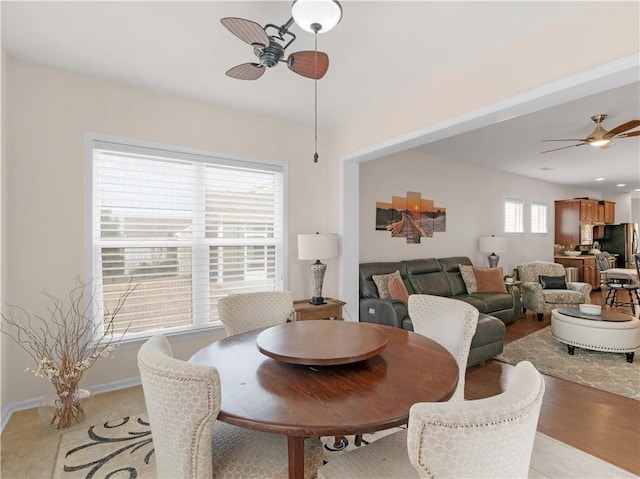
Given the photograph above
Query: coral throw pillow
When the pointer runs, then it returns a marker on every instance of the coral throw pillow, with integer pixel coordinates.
(490, 280)
(398, 291)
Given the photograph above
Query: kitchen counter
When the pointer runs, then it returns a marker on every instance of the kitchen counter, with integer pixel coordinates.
(588, 271)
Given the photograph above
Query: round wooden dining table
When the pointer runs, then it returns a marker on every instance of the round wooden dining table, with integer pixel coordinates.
(302, 400)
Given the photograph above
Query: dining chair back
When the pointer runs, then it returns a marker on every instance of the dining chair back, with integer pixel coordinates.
(183, 402)
(456, 439)
(612, 285)
(244, 312)
(449, 322)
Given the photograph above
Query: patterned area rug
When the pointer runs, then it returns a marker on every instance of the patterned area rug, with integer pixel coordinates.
(606, 371)
(124, 448)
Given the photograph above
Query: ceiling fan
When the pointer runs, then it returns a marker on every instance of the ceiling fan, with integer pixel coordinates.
(270, 50)
(600, 137)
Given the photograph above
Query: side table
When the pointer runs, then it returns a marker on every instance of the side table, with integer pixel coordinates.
(303, 310)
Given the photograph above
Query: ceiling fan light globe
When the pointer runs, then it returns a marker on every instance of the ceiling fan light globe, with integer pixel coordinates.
(600, 142)
(308, 14)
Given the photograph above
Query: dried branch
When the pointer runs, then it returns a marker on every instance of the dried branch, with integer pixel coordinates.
(67, 342)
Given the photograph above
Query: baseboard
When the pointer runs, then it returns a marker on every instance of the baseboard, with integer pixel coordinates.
(33, 402)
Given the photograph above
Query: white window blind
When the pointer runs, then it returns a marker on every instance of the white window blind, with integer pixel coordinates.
(538, 217)
(186, 229)
(513, 215)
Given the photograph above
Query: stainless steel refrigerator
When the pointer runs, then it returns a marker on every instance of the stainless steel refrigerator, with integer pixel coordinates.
(622, 240)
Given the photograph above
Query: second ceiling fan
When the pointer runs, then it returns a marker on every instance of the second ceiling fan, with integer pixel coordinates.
(600, 137)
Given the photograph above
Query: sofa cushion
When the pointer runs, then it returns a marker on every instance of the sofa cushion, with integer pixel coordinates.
(382, 283)
(451, 266)
(368, 288)
(489, 280)
(469, 278)
(426, 277)
(488, 330)
(563, 296)
(436, 284)
(488, 302)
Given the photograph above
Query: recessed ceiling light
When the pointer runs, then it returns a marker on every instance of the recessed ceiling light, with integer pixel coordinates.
(599, 179)
(621, 184)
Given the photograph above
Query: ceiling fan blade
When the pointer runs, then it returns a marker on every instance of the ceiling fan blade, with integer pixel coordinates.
(627, 135)
(246, 30)
(569, 139)
(246, 71)
(564, 147)
(622, 128)
(309, 63)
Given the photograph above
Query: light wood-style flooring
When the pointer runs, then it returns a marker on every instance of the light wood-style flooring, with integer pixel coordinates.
(602, 424)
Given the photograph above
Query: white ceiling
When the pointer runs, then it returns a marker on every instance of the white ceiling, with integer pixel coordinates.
(378, 49)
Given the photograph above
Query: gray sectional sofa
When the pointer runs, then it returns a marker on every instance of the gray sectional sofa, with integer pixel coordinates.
(440, 277)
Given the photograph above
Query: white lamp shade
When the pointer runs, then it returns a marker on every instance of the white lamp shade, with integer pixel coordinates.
(492, 244)
(326, 13)
(317, 246)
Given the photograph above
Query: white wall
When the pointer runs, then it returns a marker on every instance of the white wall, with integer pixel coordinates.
(3, 215)
(47, 112)
(474, 199)
(623, 206)
(635, 210)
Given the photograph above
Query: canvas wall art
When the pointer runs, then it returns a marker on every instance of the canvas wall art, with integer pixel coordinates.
(410, 217)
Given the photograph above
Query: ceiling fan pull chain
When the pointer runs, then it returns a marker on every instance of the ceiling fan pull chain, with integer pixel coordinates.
(315, 105)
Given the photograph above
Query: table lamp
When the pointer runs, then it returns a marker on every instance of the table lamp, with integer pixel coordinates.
(492, 244)
(317, 246)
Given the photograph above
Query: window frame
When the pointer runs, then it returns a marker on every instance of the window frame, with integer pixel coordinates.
(539, 203)
(94, 141)
(513, 200)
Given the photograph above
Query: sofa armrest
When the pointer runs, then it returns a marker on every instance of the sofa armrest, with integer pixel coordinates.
(387, 312)
(584, 288)
(532, 297)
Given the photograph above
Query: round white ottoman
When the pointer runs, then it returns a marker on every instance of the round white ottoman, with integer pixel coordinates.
(596, 334)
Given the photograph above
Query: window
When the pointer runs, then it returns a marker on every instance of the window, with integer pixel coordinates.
(538, 217)
(513, 220)
(186, 228)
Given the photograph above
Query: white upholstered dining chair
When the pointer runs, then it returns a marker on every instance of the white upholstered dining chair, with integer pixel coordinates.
(244, 312)
(449, 322)
(183, 402)
(484, 438)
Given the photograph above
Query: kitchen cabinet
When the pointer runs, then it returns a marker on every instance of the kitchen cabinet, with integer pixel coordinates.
(607, 212)
(606, 216)
(588, 271)
(567, 222)
(589, 210)
(571, 227)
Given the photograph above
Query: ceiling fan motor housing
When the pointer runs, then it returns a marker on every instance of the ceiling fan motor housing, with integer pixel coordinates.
(269, 56)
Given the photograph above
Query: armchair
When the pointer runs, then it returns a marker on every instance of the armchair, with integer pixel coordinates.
(183, 401)
(491, 437)
(543, 300)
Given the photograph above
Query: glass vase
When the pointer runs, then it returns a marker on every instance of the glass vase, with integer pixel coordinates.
(66, 408)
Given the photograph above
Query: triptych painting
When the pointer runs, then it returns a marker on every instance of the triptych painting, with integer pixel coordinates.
(410, 217)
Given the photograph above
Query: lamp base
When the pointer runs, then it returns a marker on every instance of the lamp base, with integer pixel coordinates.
(317, 300)
(493, 260)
